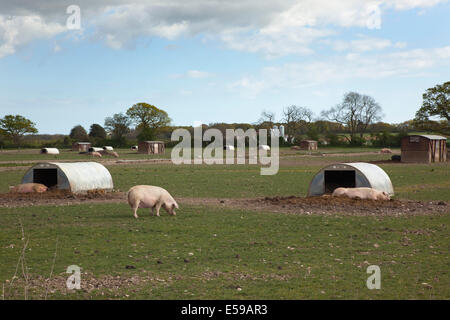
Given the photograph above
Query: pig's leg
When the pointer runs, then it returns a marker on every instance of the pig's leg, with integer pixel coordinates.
(158, 206)
(153, 211)
(135, 207)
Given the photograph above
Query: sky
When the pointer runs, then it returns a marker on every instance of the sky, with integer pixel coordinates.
(216, 61)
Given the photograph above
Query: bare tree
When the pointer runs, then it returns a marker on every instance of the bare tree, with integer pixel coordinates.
(356, 112)
(296, 118)
(369, 112)
(267, 116)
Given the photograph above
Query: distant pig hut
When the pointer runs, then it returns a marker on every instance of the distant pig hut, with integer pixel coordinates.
(76, 177)
(309, 145)
(151, 147)
(350, 175)
(49, 151)
(424, 148)
(81, 146)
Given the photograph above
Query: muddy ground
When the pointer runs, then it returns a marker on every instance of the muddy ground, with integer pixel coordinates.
(325, 205)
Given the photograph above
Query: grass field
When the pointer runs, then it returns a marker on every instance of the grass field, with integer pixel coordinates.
(209, 252)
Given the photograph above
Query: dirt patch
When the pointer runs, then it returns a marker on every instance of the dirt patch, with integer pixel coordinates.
(58, 197)
(327, 205)
(39, 287)
(324, 205)
(333, 205)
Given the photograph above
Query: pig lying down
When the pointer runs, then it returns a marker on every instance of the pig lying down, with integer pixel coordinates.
(361, 193)
(151, 197)
(28, 188)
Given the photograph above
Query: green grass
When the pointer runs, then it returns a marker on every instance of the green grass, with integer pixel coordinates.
(269, 256)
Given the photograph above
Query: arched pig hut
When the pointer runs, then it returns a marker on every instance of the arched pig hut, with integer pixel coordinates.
(350, 175)
(49, 151)
(76, 177)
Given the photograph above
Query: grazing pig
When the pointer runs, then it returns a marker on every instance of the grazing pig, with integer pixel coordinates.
(361, 193)
(151, 197)
(29, 188)
(385, 150)
(114, 154)
(95, 154)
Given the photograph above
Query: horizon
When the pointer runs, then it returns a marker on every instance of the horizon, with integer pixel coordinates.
(216, 64)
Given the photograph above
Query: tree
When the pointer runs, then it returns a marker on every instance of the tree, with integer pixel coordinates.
(297, 118)
(148, 119)
(267, 117)
(15, 127)
(436, 103)
(145, 115)
(97, 131)
(118, 125)
(78, 133)
(356, 112)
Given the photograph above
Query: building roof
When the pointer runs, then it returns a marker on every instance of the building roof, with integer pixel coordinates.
(429, 136)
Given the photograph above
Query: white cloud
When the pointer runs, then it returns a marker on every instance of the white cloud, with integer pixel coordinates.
(351, 66)
(18, 31)
(365, 44)
(194, 74)
(273, 28)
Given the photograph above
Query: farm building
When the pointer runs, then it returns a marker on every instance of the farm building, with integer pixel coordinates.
(81, 146)
(424, 148)
(151, 147)
(49, 151)
(76, 177)
(350, 175)
(308, 145)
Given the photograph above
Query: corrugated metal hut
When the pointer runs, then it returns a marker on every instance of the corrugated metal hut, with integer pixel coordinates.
(49, 151)
(151, 147)
(81, 146)
(308, 145)
(76, 177)
(424, 148)
(350, 175)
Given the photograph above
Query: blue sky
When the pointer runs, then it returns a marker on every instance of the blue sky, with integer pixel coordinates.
(217, 61)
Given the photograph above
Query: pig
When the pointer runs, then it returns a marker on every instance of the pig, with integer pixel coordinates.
(28, 188)
(151, 197)
(95, 154)
(113, 153)
(385, 150)
(361, 193)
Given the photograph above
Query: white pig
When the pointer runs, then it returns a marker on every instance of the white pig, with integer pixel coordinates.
(28, 188)
(151, 197)
(361, 193)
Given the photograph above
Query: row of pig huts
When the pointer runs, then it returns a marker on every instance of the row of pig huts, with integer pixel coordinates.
(81, 177)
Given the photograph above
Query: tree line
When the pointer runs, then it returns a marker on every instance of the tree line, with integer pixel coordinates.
(346, 123)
